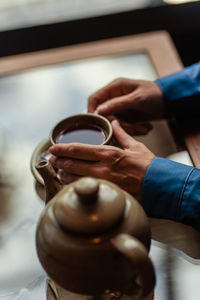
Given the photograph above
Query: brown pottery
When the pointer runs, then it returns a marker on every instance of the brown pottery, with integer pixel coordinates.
(81, 121)
(74, 122)
(93, 237)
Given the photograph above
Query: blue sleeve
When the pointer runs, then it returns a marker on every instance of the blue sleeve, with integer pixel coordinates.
(172, 190)
(181, 92)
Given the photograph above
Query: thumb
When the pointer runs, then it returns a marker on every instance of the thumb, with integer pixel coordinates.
(125, 140)
(115, 105)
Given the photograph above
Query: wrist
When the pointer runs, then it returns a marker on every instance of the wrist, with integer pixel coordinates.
(160, 102)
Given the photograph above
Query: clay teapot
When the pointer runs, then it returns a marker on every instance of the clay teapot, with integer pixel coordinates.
(93, 237)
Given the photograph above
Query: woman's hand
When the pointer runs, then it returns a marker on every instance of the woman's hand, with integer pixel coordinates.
(129, 101)
(125, 167)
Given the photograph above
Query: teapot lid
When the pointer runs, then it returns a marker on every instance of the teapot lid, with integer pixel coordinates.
(89, 206)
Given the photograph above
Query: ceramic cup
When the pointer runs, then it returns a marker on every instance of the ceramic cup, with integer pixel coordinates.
(83, 128)
(69, 124)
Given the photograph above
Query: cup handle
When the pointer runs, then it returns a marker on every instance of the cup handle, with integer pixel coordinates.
(138, 255)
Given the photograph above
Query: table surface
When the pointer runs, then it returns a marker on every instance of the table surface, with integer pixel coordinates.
(34, 99)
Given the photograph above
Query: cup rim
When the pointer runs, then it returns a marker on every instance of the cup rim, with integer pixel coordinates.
(94, 115)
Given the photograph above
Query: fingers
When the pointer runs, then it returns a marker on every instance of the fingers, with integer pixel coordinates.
(116, 88)
(67, 178)
(93, 103)
(136, 129)
(102, 95)
(116, 105)
(132, 128)
(77, 150)
(124, 139)
(75, 166)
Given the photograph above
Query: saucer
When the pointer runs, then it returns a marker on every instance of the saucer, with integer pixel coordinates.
(39, 153)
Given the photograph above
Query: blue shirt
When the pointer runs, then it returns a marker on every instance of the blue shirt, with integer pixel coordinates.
(172, 190)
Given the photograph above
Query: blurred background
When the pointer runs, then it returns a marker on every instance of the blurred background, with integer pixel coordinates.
(34, 100)
(29, 25)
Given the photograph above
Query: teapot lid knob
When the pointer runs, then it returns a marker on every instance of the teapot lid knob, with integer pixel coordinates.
(89, 206)
(87, 189)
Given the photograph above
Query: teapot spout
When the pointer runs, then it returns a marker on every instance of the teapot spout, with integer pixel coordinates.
(51, 181)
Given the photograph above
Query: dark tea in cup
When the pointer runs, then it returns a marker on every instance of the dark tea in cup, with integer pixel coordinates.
(92, 135)
(84, 128)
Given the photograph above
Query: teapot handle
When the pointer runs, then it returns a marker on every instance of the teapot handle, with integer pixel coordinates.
(138, 255)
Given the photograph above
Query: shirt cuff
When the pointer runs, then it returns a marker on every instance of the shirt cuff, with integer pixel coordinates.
(166, 188)
(189, 212)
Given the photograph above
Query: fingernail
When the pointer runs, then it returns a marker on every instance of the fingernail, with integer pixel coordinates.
(115, 122)
(101, 109)
(51, 160)
(51, 149)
